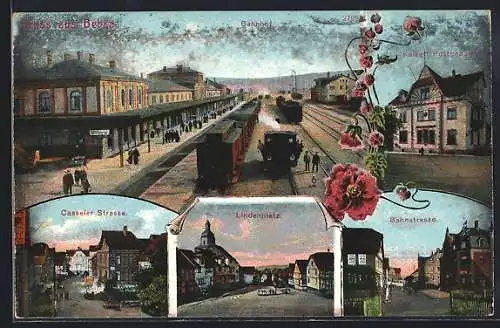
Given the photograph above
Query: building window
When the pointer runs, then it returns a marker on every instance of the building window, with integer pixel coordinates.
(44, 102)
(351, 259)
(118, 276)
(451, 138)
(161, 99)
(75, 101)
(451, 113)
(140, 96)
(340, 87)
(425, 137)
(130, 97)
(153, 98)
(463, 245)
(17, 105)
(431, 115)
(118, 260)
(403, 137)
(123, 98)
(109, 98)
(362, 259)
(403, 117)
(424, 93)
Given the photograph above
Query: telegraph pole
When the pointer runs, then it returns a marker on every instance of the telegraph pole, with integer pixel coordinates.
(120, 145)
(294, 75)
(149, 142)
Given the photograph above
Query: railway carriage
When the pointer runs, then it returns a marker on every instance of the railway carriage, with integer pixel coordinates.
(292, 110)
(221, 152)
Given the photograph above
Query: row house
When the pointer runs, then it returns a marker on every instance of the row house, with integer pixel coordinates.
(43, 263)
(466, 261)
(333, 89)
(117, 255)
(61, 263)
(81, 91)
(184, 76)
(394, 274)
(78, 260)
(92, 260)
(320, 273)
(363, 262)
(248, 274)
(443, 114)
(167, 91)
(429, 269)
(187, 287)
(291, 271)
(300, 274)
(155, 253)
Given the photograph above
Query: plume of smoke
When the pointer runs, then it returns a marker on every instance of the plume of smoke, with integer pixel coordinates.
(268, 119)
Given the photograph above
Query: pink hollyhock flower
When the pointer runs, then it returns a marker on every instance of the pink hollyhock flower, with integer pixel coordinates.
(369, 34)
(368, 79)
(365, 107)
(378, 28)
(361, 85)
(375, 139)
(404, 194)
(357, 93)
(375, 18)
(352, 191)
(350, 141)
(366, 61)
(412, 24)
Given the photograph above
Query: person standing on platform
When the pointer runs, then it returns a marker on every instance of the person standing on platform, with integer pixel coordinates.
(68, 182)
(135, 156)
(307, 160)
(315, 162)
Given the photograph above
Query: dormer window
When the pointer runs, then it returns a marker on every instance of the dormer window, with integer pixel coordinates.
(424, 93)
(44, 102)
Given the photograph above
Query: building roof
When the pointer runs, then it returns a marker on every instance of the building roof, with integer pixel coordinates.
(248, 270)
(215, 84)
(120, 240)
(160, 85)
(175, 70)
(412, 275)
(450, 86)
(302, 265)
(400, 99)
(325, 80)
(361, 241)
(186, 259)
(60, 258)
(73, 69)
(323, 260)
(93, 248)
(71, 252)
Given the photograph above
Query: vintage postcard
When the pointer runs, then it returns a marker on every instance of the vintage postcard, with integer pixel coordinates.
(307, 163)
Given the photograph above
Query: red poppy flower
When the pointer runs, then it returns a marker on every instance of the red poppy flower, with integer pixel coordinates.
(352, 191)
(365, 107)
(350, 141)
(375, 139)
(379, 28)
(363, 48)
(412, 24)
(368, 79)
(366, 61)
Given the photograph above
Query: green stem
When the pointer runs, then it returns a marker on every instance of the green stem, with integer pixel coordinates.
(396, 43)
(347, 60)
(364, 118)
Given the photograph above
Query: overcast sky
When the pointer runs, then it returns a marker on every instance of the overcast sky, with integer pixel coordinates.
(216, 44)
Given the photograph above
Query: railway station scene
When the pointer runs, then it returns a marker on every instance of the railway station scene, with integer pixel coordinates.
(253, 164)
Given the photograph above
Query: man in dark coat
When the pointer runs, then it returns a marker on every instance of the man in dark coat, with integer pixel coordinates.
(315, 162)
(68, 182)
(135, 156)
(307, 160)
(85, 186)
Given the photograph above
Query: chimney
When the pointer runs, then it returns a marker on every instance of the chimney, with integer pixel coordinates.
(328, 74)
(67, 57)
(91, 58)
(453, 73)
(164, 68)
(49, 58)
(79, 55)
(476, 224)
(125, 230)
(112, 64)
(142, 75)
(179, 68)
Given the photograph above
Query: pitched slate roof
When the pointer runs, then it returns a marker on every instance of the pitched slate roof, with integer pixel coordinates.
(361, 241)
(186, 259)
(323, 260)
(216, 84)
(400, 99)
(248, 269)
(184, 69)
(74, 69)
(302, 264)
(160, 85)
(118, 240)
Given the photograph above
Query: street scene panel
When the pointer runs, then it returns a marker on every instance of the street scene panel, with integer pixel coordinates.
(255, 257)
(91, 256)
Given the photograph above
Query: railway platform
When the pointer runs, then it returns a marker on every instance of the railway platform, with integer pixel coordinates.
(104, 174)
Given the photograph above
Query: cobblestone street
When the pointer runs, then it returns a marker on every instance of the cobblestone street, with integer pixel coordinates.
(296, 304)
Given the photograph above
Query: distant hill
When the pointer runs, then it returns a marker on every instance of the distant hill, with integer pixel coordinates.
(275, 84)
(270, 267)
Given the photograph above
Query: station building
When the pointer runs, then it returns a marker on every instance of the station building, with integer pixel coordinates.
(77, 107)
